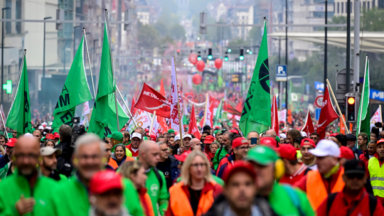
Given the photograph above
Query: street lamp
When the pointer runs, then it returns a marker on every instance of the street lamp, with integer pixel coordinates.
(2, 51)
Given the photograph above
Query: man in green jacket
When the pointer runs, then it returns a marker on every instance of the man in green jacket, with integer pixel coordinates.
(149, 156)
(283, 199)
(71, 197)
(25, 192)
(226, 139)
(48, 163)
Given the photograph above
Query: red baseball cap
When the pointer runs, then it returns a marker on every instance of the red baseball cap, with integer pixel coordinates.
(183, 156)
(239, 141)
(11, 142)
(305, 142)
(333, 135)
(50, 136)
(234, 131)
(104, 181)
(287, 152)
(57, 136)
(268, 141)
(346, 152)
(238, 166)
(153, 137)
(209, 139)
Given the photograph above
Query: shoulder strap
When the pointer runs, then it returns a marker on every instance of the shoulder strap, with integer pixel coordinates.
(218, 154)
(158, 176)
(330, 200)
(372, 204)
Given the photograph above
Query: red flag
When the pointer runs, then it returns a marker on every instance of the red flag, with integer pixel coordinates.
(192, 128)
(151, 100)
(133, 110)
(240, 106)
(234, 123)
(229, 109)
(327, 114)
(162, 91)
(275, 116)
(308, 127)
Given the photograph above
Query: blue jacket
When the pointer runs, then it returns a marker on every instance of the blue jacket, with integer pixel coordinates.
(175, 172)
(230, 159)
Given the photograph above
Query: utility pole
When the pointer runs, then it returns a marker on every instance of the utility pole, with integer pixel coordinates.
(356, 38)
(348, 51)
(43, 80)
(2, 53)
(286, 54)
(326, 43)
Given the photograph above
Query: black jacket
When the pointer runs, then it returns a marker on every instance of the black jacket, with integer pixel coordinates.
(219, 205)
(64, 161)
(4, 160)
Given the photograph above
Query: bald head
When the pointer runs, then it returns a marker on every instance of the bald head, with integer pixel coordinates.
(270, 133)
(149, 154)
(26, 152)
(194, 142)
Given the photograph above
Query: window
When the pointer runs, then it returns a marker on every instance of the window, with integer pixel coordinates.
(364, 6)
(8, 15)
(351, 7)
(367, 5)
(342, 7)
(373, 4)
(18, 16)
(338, 7)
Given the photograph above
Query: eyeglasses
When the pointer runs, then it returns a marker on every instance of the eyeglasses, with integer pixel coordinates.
(244, 148)
(198, 165)
(356, 175)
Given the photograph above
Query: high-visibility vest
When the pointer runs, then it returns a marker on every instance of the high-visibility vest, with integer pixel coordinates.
(180, 205)
(316, 190)
(376, 174)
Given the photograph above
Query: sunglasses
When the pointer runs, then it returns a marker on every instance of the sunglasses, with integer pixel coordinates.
(355, 175)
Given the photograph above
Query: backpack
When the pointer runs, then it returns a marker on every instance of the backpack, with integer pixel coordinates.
(372, 202)
(158, 176)
(294, 198)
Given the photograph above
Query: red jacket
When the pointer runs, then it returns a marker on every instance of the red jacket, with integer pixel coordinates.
(295, 177)
(134, 154)
(381, 162)
(302, 183)
(344, 203)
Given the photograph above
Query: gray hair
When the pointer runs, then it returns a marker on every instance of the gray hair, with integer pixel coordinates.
(216, 143)
(161, 143)
(88, 139)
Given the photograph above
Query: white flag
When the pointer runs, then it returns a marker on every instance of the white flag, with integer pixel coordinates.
(282, 115)
(141, 118)
(2, 116)
(175, 121)
(376, 116)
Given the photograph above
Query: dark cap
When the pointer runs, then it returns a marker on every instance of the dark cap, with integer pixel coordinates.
(351, 137)
(206, 128)
(354, 166)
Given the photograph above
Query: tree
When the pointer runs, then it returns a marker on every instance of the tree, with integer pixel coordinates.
(177, 32)
(148, 37)
(255, 35)
(161, 28)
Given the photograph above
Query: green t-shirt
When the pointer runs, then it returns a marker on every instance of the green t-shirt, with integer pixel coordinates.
(159, 196)
(223, 152)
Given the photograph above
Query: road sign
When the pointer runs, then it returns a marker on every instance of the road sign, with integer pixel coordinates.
(319, 101)
(317, 117)
(281, 73)
(319, 86)
(8, 87)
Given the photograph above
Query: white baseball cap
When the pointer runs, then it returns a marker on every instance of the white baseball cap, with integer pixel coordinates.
(177, 137)
(187, 136)
(326, 148)
(47, 151)
(41, 127)
(28, 135)
(137, 135)
(303, 134)
(282, 135)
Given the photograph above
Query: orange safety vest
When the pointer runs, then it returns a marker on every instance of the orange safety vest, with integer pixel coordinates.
(316, 191)
(114, 165)
(148, 203)
(179, 202)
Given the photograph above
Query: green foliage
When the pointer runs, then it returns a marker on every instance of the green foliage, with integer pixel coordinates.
(255, 35)
(177, 32)
(148, 36)
(161, 28)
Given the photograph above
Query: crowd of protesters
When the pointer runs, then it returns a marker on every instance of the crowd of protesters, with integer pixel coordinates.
(225, 172)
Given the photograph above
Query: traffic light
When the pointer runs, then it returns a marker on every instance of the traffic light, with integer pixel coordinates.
(8, 87)
(226, 56)
(210, 54)
(229, 50)
(241, 57)
(198, 56)
(351, 107)
(178, 52)
(249, 52)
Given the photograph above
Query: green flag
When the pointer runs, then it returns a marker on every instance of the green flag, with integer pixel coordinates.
(103, 120)
(219, 114)
(19, 116)
(75, 91)
(256, 115)
(363, 120)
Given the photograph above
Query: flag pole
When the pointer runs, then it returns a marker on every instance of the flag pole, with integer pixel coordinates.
(152, 120)
(2, 119)
(89, 63)
(381, 117)
(126, 106)
(113, 70)
(205, 110)
(178, 107)
(337, 105)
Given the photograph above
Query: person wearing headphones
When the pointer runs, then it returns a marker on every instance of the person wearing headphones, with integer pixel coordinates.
(283, 199)
(328, 178)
